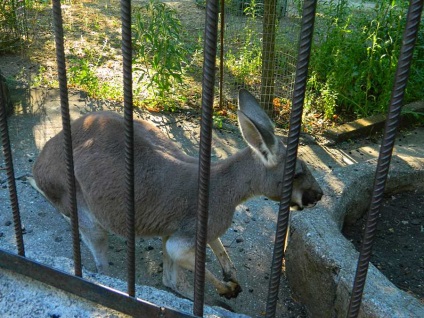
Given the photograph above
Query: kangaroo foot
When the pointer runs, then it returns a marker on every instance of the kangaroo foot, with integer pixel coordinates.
(232, 289)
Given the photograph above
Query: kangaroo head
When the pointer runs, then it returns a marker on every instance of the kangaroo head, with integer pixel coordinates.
(258, 131)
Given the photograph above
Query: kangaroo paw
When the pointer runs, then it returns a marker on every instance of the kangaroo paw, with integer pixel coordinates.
(231, 291)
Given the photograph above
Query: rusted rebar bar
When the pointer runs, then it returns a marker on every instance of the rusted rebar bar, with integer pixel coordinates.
(306, 33)
(129, 142)
(66, 125)
(210, 47)
(221, 56)
(386, 150)
(10, 172)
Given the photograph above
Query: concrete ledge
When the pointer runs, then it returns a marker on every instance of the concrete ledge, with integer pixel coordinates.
(356, 128)
(21, 296)
(366, 126)
(321, 262)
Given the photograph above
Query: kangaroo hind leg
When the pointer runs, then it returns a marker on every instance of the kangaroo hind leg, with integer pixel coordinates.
(228, 268)
(180, 251)
(95, 237)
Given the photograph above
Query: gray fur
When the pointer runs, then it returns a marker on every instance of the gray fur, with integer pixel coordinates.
(166, 187)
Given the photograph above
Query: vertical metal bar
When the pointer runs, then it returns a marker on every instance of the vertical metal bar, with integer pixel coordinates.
(221, 56)
(7, 151)
(129, 141)
(305, 43)
(66, 124)
(210, 47)
(385, 155)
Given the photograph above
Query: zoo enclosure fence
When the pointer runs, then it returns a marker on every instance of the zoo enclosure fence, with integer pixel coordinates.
(12, 23)
(127, 303)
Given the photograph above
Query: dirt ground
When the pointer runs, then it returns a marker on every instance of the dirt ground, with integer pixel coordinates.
(398, 250)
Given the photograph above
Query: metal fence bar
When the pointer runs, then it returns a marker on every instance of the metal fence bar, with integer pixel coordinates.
(80, 287)
(7, 151)
(210, 48)
(66, 124)
(129, 142)
(221, 55)
(386, 149)
(305, 43)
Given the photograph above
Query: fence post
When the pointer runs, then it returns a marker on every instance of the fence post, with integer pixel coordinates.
(268, 57)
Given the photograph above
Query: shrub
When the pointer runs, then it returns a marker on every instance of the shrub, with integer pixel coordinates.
(13, 28)
(353, 63)
(159, 51)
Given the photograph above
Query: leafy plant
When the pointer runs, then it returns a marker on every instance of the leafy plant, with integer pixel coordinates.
(82, 74)
(354, 61)
(12, 25)
(245, 62)
(218, 121)
(159, 50)
(253, 8)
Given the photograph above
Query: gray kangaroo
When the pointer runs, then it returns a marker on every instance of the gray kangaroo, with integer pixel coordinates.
(166, 188)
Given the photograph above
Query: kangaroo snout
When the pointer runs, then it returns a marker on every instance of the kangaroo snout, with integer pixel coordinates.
(311, 197)
(307, 199)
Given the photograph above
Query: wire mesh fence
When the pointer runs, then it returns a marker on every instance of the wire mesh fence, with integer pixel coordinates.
(13, 27)
(258, 52)
(256, 49)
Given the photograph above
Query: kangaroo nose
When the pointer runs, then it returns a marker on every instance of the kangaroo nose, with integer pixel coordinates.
(310, 197)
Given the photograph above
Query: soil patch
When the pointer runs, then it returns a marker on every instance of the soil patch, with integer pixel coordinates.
(398, 250)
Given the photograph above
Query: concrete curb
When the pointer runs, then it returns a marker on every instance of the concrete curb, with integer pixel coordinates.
(321, 262)
(366, 126)
(21, 296)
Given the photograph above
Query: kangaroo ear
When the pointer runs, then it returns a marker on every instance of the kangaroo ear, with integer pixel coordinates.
(262, 141)
(248, 104)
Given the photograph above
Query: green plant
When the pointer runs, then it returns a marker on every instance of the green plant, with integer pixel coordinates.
(354, 61)
(218, 121)
(245, 62)
(82, 74)
(253, 8)
(12, 25)
(32, 3)
(321, 97)
(159, 51)
(39, 78)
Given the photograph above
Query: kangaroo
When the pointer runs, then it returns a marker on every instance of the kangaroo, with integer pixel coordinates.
(166, 188)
